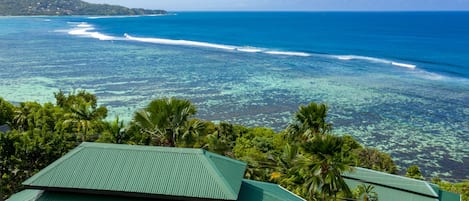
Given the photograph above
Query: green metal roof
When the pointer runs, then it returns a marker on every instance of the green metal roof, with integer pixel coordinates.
(159, 172)
(449, 196)
(250, 191)
(391, 194)
(40, 195)
(392, 181)
(262, 191)
(26, 195)
(393, 187)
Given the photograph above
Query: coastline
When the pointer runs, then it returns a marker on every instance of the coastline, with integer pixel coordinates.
(368, 99)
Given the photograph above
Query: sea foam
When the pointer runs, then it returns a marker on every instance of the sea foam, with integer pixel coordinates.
(179, 42)
(411, 66)
(301, 54)
(86, 30)
(373, 59)
(213, 45)
(118, 16)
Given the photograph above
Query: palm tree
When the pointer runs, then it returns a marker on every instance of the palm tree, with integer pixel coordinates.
(285, 172)
(23, 116)
(193, 131)
(84, 118)
(365, 192)
(114, 132)
(323, 164)
(308, 121)
(6, 112)
(164, 120)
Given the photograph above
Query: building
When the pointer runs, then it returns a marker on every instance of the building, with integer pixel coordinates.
(394, 187)
(113, 172)
(105, 172)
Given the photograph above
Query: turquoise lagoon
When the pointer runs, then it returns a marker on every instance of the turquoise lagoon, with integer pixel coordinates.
(398, 82)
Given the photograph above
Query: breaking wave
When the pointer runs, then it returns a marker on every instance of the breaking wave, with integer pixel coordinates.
(84, 29)
(375, 60)
(213, 45)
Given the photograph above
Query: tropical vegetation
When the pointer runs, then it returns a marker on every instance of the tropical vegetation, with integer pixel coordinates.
(66, 7)
(306, 157)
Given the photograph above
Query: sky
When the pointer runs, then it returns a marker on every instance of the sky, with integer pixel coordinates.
(292, 5)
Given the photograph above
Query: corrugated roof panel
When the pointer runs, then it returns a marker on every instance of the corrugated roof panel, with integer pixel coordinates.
(262, 191)
(142, 169)
(449, 196)
(392, 181)
(391, 194)
(26, 195)
(230, 169)
(39, 195)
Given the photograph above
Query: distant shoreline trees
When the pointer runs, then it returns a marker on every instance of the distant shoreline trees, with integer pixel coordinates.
(67, 7)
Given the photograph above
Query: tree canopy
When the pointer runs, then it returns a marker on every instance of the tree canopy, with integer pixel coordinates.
(67, 7)
(305, 158)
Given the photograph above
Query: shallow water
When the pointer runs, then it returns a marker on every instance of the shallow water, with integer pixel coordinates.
(418, 115)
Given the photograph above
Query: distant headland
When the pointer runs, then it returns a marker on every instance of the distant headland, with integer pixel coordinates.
(67, 7)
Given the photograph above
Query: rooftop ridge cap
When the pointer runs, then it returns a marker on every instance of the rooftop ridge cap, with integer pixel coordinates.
(38, 195)
(128, 194)
(391, 175)
(225, 157)
(221, 179)
(291, 192)
(51, 166)
(397, 187)
(273, 185)
(393, 187)
(142, 148)
(431, 189)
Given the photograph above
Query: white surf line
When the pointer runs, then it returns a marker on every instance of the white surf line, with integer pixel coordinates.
(213, 45)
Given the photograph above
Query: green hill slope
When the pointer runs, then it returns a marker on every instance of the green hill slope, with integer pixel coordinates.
(66, 7)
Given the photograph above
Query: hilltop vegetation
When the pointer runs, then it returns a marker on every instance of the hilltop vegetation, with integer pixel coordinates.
(66, 7)
(306, 157)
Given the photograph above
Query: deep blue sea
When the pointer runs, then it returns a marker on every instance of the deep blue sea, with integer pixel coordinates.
(397, 81)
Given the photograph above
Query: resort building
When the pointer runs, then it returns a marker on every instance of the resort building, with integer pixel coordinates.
(113, 172)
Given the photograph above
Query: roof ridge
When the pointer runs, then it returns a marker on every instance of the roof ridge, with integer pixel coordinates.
(142, 147)
(272, 184)
(291, 192)
(394, 185)
(222, 173)
(221, 178)
(432, 189)
(387, 174)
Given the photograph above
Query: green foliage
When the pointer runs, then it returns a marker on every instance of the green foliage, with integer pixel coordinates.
(43, 133)
(257, 147)
(414, 172)
(305, 158)
(66, 7)
(114, 132)
(6, 111)
(309, 120)
(365, 192)
(221, 138)
(82, 115)
(374, 159)
(324, 159)
(165, 121)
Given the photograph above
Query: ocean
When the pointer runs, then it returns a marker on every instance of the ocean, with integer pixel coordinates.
(396, 81)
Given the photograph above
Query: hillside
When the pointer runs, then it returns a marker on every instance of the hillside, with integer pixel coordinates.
(66, 7)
